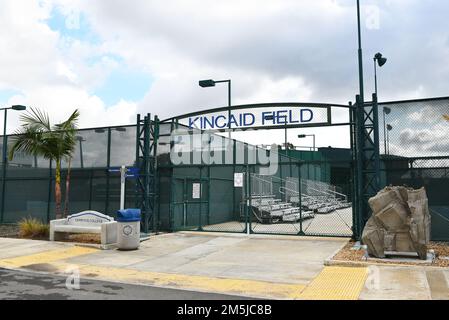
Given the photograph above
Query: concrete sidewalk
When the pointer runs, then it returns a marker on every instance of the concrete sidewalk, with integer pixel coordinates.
(272, 267)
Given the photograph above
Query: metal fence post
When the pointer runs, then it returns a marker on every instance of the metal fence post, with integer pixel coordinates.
(5, 160)
(200, 227)
(108, 161)
(301, 231)
(247, 200)
(49, 190)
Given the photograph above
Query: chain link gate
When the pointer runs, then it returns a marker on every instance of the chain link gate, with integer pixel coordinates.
(414, 138)
(299, 203)
(310, 194)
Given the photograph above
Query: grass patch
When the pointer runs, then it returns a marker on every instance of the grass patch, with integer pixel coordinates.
(32, 228)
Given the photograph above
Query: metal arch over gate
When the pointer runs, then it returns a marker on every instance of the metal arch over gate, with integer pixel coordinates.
(305, 202)
(268, 116)
(301, 199)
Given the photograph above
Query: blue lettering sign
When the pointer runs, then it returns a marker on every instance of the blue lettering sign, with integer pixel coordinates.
(306, 115)
(207, 122)
(233, 121)
(223, 125)
(248, 119)
(268, 116)
(192, 122)
(290, 118)
(282, 117)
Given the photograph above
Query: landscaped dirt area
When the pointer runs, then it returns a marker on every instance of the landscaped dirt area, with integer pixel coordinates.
(12, 231)
(348, 254)
(9, 231)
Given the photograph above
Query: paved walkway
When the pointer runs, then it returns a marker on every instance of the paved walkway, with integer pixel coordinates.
(22, 285)
(255, 266)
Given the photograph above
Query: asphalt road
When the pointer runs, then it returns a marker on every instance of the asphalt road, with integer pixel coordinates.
(18, 285)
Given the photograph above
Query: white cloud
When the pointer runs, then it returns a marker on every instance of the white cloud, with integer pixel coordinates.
(272, 50)
(50, 70)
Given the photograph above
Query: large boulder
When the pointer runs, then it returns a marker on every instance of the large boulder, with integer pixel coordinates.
(400, 222)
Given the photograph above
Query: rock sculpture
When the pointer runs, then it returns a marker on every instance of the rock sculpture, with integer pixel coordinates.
(400, 222)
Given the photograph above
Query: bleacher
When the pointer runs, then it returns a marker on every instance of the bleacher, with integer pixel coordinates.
(268, 209)
(275, 200)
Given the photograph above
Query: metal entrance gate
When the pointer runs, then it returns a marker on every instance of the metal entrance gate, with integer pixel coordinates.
(189, 206)
(310, 194)
(300, 200)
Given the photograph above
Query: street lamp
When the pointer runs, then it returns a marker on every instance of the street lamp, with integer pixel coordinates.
(81, 140)
(381, 61)
(211, 83)
(303, 136)
(360, 54)
(5, 150)
(389, 128)
(386, 111)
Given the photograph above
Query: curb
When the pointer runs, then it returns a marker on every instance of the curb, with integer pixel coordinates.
(330, 262)
(265, 236)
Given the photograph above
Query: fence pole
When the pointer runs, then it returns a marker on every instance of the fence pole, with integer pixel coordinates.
(49, 190)
(301, 231)
(108, 161)
(247, 199)
(5, 160)
(200, 227)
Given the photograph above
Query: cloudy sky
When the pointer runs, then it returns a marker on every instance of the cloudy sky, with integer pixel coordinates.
(113, 59)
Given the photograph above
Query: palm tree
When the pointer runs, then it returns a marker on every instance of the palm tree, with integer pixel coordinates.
(38, 137)
(68, 129)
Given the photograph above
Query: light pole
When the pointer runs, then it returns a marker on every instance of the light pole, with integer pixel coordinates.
(360, 52)
(381, 61)
(81, 140)
(303, 136)
(211, 83)
(389, 128)
(5, 150)
(386, 111)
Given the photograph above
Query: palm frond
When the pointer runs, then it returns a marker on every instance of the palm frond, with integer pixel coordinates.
(36, 136)
(30, 141)
(71, 123)
(36, 118)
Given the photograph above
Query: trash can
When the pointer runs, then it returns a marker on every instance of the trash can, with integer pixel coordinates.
(128, 233)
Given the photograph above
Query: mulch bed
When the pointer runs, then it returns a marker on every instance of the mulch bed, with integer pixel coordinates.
(441, 250)
(12, 231)
(9, 231)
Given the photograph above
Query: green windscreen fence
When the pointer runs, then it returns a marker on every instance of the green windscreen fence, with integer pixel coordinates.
(415, 153)
(28, 186)
(208, 196)
(414, 144)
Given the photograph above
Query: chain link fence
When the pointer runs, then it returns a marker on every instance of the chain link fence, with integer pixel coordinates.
(27, 188)
(415, 152)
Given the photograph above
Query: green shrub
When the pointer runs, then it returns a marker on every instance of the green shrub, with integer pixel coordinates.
(33, 228)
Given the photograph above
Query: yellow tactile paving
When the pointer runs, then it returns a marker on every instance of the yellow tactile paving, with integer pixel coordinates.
(45, 257)
(187, 282)
(230, 286)
(336, 283)
(333, 283)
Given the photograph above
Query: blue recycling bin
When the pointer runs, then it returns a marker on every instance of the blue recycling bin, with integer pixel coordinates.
(128, 229)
